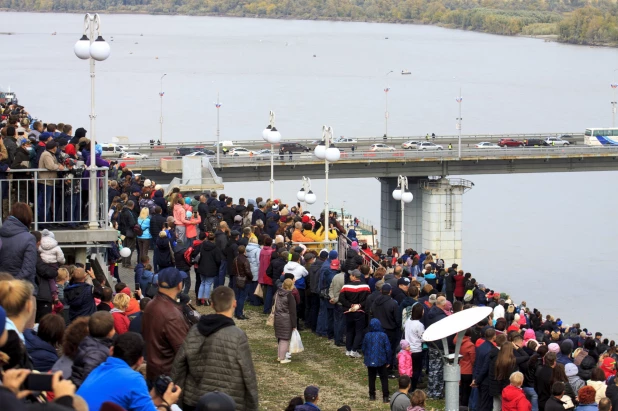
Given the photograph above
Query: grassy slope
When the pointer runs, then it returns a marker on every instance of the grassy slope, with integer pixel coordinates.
(342, 380)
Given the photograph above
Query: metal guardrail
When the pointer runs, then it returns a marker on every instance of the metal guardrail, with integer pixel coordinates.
(456, 182)
(55, 200)
(310, 142)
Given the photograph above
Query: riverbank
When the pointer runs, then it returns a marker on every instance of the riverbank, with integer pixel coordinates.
(521, 19)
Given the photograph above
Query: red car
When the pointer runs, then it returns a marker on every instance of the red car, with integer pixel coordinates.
(509, 142)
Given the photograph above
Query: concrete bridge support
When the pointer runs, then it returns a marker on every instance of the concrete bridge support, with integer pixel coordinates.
(433, 221)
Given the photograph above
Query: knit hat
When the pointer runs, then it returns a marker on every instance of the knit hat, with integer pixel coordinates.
(47, 233)
(274, 208)
(433, 298)
(333, 254)
(354, 245)
(571, 369)
(237, 218)
(553, 347)
(157, 187)
(404, 344)
(323, 254)
(147, 183)
(215, 401)
(529, 335)
(189, 214)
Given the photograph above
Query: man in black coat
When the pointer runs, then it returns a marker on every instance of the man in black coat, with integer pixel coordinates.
(126, 222)
(480, 372)
(386, 309)
(228, 212)
(208, 267)
(554, 403)
(543, 376)
(401, 291)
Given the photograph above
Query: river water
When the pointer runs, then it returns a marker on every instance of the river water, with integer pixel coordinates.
(547, 238)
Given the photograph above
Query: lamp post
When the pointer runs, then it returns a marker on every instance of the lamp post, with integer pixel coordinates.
(325, 152)
(273, 136)
(89, 48)
(386, 90)
(305, 194)
(161, 116)
(218, 105)
(459, 100)
(400, 194)
(614, 85)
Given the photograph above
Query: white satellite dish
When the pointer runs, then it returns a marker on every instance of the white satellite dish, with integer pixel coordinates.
(455, 323)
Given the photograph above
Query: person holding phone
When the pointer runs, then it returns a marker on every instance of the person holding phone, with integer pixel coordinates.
(19, 383)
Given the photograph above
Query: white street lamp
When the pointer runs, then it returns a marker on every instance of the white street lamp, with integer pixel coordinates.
(161, 93)
(218, 105)
(305, 194)
(87, 47)
(273, 136)
(459, 100)
(400, 194)
(614, 85)
(325, 152)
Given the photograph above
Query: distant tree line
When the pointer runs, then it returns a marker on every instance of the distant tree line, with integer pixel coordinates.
(572, 21)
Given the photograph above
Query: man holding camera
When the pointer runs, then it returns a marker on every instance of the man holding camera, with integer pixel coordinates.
(116, 380)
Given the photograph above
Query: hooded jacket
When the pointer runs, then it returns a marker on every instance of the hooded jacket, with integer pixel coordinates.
(121, 321)
(90, 354)
(285, 313)
(386, 310)
(252, 251)
(299, 273)
(159, 200)
(376, 347)
(42, 353)
(213, 345)
(514, 399)
(18, 250)
(49, 250)
(210, 260)
(80, 300)
(44, 274)
(314, 276)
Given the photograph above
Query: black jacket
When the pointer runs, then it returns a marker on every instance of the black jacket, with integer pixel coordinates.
(126, 221)
(612, 393)
(314, 276)
(228, 214)
(221, 240)
(210, 260)
(160, 201)
(542, 384)
(80, 299)
(275, 269)
(90, 354)
(385, 309)
(202, 210)
(44, 273)
(398, 294)
(156, 224)
(553, 404)
(164, 249)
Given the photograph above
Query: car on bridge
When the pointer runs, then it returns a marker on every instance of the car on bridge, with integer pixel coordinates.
(240, 151)
(185, 151)
(510, 142)
(556, 141)
(381, 147)
(409, 145)
(294, 148)
(535, 142)
(133, 156)
(486, 144)
(344, 140)
(428, 145)
(201, 153)
(263, 154)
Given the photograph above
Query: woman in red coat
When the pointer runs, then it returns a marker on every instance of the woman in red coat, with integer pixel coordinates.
(513, 397)
(459, 285)
(121, 321)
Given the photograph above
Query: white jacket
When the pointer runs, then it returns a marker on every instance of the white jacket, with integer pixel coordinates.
(49, 250)
(294, 268)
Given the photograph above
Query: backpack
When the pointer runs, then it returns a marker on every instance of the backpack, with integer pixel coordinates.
(406, 315)
(468, 296)
(187, 255)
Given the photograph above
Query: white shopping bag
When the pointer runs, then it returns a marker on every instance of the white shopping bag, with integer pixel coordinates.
(296, 344)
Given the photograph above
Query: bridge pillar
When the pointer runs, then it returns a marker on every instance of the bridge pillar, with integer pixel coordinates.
(433, 221)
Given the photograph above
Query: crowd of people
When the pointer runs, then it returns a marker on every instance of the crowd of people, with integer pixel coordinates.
(71, 338)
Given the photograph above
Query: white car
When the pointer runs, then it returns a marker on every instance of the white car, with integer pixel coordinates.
(556, 141)
(264, 153)
(381, 147)
(240, 151)
(133, 156)
(224, 144)
(486, 144)
(343, 140)
(428, 145)
(196, 154)
(409, 145)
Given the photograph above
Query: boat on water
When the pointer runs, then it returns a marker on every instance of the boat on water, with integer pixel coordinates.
(405, 72)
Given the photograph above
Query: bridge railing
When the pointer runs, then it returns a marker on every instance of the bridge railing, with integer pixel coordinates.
(55, 200)
(311, 142)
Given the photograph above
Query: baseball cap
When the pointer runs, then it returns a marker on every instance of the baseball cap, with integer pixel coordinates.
(169, 277)
(333, 254)
(386, 288)
(24, 141)
(403, 281)
(123, 165)
(311, 393)
(237, 218)
(335, 264)
(215, 401)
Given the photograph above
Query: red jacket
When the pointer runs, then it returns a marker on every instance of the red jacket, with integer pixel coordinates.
(121, 322)
(265, 256)
(468, 352)
(459, 286)
(514, 399)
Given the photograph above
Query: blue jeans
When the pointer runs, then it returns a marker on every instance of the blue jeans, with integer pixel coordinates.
(326, 319)
(268, 298)
(339, 324)
(205, 287)
(241, 296)
(254, 299)
(220, 279)
(44, 202)
(532, 397)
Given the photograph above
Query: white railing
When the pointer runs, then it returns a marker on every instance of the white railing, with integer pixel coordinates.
(59, 201)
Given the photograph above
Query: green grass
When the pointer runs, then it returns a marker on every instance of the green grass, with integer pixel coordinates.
(342, 380)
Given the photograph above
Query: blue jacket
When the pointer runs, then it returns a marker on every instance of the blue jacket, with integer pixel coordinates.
(480, 372)
(376, 347)
(116, 382)
(18, 252)
(90, 354)
(146, 278)
(43, 354)
(80, 300)
(145, 225)
(308, 406)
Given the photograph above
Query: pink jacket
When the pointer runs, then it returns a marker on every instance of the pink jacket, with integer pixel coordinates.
(192, 228)
(180, 215)
(405, 362)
